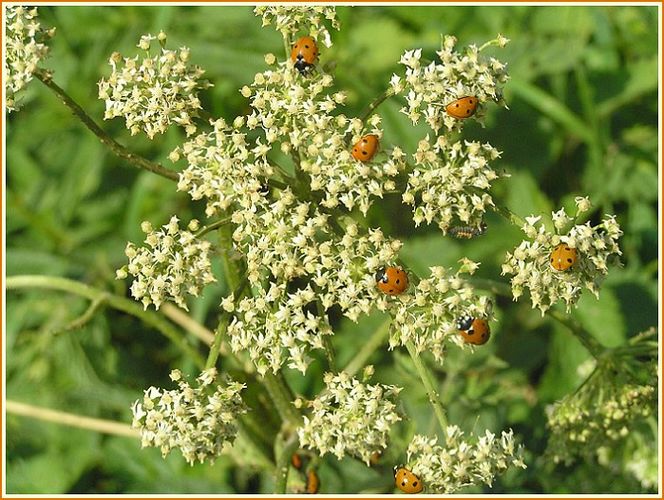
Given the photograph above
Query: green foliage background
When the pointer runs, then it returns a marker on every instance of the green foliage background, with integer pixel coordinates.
(582, 121)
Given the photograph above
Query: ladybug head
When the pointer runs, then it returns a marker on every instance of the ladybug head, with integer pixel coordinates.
(464, 322)
(380, 275)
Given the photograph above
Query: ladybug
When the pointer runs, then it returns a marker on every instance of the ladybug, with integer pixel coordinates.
(462, 108)
(563, 257)
(474, 330)
(365, 148)
(406, 481)
(296, 461)
(304, 54)
(467, 232)
(392, 280)
(313, 482)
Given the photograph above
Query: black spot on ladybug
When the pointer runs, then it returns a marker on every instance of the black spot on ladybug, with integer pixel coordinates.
(569, 260)
(391, 290)
(471, 331)
(397, 281)
(414, 483)
(403, 483)
(365, 153)
(551, 260)
(567, 248)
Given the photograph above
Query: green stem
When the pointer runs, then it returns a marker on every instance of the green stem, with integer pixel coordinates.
(279, 395)
(284, 449)
(219, 334)
(374, 104)
(117, 148)
(589, 342)
(211, 227)
(429, 386)
(509, 215)
(374, 342)
(87, 315)
(120, 303)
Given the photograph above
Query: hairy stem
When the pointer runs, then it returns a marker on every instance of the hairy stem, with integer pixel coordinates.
(71, 419)
(429, 385)
(120, 303)
(117, 148)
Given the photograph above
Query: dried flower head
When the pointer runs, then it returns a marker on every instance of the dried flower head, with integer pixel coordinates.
(428, 89)
(595, 248)
(153, 92)
(603, 412)
(350, 417)
(198, 420)
(460, 463)
(450, 182)
(291, 20)
(25, 50)
(171, 264)
(428, 315)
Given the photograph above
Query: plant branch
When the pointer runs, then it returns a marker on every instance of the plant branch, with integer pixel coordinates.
(120, 303)
(588, 341)
(284, 449)
(368, 348)
(374, 104)
(281, 399)
(429, 386)
(117, 148)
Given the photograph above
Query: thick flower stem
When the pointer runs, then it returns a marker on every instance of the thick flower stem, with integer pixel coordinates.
(509, 215)
(588, 341)
(429, 386)
(284, 449)
(120, 303)
(374, 104)
(279, 394)
(117, 148)
(368, 348)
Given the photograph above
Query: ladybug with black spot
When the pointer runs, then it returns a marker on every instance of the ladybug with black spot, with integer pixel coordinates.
(365, 149)
(392, 280)
(474, 330)
(406, 481)
(563, 257)
(462, 108)
(304, 54)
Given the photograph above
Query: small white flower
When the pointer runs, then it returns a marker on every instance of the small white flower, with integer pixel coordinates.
(291, 20)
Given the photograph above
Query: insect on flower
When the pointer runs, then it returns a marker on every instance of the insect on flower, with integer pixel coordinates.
(462, 108)
(304, 54)
(468, 232)
(392, 280)
(406, 481)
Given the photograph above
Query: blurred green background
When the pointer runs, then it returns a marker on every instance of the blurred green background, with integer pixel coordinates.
(582, 120)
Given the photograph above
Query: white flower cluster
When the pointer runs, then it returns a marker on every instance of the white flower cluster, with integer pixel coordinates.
(460, 463)
(25, 48)
(530, 263)
(350, 417)
(223, 167)
(428, 315)
(173, 263)
(450, 182)
(198, 421)
(428, 89)
(290, 20)
(154, 92)
(288, 242)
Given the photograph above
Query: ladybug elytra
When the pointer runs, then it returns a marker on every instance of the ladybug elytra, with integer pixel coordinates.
(304, 54)
(392, 280)
(365, 148)
(407, 482)
(474, 330)
(563, 257)
(462, 108)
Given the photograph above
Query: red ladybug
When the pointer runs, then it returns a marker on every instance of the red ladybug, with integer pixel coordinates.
(407, 482)
(365, 148)
(392, 280)
(563, 257)
(313, 482)
(296, 461)
(462, 108)
(474, 330)
(304, 54)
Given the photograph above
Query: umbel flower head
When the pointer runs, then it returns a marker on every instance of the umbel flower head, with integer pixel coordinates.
(173, 263)
(429, 88)
(462, 462)
(155, 91)
(594, 249)
(308, 19)
(197, 420)
(25, 50)
(604, 412)
(450, 181)
(349, 417)
(428, 315)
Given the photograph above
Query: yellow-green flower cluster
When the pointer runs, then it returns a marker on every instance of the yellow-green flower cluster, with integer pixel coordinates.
(530, 263)
(450, 182)
(198, 420)
(300, 19)
(429, 88)
(173, 263)
(25, 49)
(350, 418)
(427, 316)
(445, 469)
(153, 92)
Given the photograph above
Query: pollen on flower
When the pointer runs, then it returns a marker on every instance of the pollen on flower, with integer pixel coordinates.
(530, 264)
(459, 462)
(350, 418)
(26, 48)
(172, 264)
(151, 92)
(198, 420)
